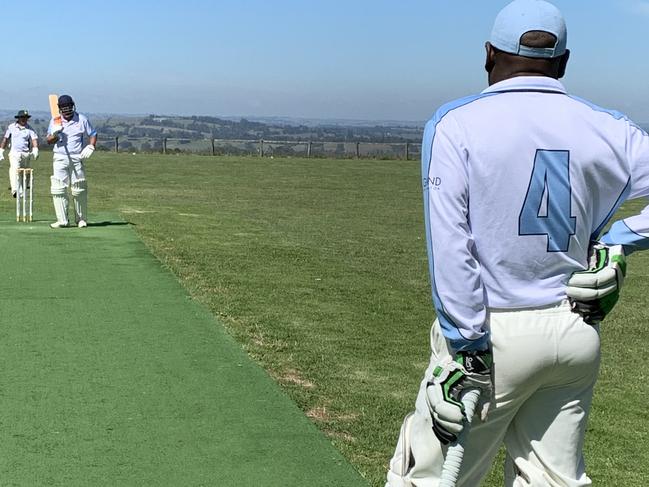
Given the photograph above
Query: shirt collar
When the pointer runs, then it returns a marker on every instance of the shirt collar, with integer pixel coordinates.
(75, 118)
(527, 83)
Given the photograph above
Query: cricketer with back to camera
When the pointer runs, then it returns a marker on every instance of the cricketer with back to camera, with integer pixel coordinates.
(526, 177)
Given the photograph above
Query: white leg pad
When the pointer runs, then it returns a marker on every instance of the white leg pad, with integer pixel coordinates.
(80, 196)
(59, 192)
(14, 164)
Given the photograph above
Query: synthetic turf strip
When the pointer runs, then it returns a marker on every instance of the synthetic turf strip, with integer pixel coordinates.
(111, 375)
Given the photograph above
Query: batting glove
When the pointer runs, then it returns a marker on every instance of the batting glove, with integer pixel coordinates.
(35, 153)
(594, 292)
(56, 130)
(451, 378)
(2, 154)
(87, 151)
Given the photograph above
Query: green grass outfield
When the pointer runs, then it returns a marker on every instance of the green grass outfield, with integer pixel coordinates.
(318, 268)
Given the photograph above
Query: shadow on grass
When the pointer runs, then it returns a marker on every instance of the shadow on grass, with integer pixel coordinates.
(108, 224)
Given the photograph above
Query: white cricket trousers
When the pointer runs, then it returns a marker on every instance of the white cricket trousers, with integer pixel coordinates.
(16, 161)
(68, 168)
(546, 362)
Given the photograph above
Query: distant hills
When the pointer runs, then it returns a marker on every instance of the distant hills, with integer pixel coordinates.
(203, 127)
(266, 128)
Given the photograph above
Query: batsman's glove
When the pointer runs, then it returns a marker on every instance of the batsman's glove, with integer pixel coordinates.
(2, 154)
(594, 292)
(451, 378)
(87, 151)
(35, 153)
(56, 130)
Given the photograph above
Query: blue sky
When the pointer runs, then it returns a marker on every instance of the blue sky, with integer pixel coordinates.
(355, 59)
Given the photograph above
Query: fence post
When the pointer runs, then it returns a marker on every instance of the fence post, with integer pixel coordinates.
(308, 149)
(358, 150)
(116, 143)
(213, 149)
(164, 145)
(407, 150)
(261, 147)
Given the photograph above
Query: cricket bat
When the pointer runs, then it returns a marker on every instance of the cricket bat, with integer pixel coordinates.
(54, 110)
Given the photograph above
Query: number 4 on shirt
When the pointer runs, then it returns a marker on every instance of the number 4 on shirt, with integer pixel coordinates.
(550, 178)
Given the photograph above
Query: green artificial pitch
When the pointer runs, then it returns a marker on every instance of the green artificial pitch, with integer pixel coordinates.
(111, 375)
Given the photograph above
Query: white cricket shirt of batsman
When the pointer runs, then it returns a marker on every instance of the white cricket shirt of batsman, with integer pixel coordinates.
(21, 137)
(517, 181)
(74, 130)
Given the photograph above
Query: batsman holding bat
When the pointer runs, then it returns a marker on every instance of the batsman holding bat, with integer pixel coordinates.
(519, 182)
(68, 131)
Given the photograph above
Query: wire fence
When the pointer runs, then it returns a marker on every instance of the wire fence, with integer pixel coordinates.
(264, 148)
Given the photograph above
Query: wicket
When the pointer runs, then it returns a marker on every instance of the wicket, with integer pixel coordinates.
(25, 184)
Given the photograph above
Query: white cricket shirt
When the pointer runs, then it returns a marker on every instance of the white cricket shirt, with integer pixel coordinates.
(517, 181)
(74, 130)
(21, 137)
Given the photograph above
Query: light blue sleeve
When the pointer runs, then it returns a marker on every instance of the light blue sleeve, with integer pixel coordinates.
(90, 130)
(457, 289)
(633, 232)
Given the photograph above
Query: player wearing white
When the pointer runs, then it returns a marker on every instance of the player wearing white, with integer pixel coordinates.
(518, 181)
(70, 150)
(24, 147)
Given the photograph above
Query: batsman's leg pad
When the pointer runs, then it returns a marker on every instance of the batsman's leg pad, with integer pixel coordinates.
(59, 192)
(80, 196)
(402, 461)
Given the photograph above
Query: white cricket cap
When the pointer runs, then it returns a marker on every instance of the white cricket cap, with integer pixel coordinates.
(522, 16)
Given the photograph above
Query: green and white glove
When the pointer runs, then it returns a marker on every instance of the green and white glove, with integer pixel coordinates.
(452, 377)
(594, 292)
